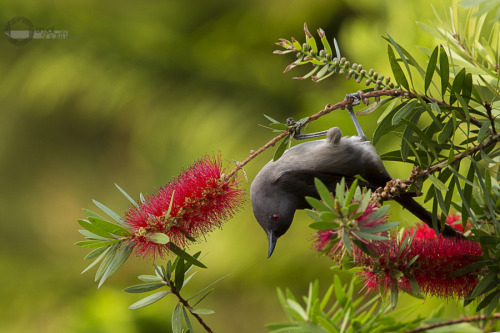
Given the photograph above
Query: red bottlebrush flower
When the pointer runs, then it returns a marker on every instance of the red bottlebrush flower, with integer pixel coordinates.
(191, 205)
(424, 231)
(438, 257)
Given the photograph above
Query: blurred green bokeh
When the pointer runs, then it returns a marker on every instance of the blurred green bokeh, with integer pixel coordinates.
(138, 92)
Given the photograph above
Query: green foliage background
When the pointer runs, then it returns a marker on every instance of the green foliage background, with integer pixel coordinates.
(138, 92)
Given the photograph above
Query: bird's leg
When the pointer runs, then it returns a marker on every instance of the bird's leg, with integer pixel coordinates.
(298, 126)
(356, 100)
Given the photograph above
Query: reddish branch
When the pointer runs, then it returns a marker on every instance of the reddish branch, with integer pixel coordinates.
(376, 94)
(455, 321)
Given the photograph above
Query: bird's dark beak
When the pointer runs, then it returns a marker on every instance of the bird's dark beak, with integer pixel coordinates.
(272, 243)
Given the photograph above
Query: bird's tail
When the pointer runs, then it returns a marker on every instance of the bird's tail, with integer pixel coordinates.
(416, 209)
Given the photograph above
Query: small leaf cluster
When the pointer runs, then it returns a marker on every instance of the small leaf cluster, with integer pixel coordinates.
(292, 126)
(174, 277)
(325, 65)
(109, 239)
(341, 216)
(339, 311)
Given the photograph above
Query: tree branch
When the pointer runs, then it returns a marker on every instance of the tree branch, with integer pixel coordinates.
(455, 321)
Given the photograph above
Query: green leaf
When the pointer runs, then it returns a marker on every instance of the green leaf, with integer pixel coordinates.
(347, 242)
(272, 120)
(281, 148)
(444, 70)
(112, 228)
(150, 278)
(117, 262)
(415, 287)
(350, 194)
(179, 274)
(94, 253)
(111, 213)
(485, 285)
(483, 131)
(394, 295)
(471, 268)
(96, 243)
(186, 319)
(324, 192)
(94, 229)
(407, 138)
(132, 201)
(370, 236)
(457, 85)
(177, 319)
(404, 113)
(107, 261)
(427, 141)
(385, 125)
(447, 132)
(380, 228)
(90, 213)
(396, 69)
(278, 126)
(99, 258)
(403, 58)
(323, 225)
(184, 255)
(316, 204)
(373, 106)
(159, 238)
(202, 311)
(439, 185)
(149, 300)
(142, 288)
(379, 213)
(431, 66)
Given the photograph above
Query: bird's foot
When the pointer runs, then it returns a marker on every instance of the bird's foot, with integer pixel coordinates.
(297, 125)
(355, 98)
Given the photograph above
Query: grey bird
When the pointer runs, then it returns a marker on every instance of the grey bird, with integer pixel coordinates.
(280, 187)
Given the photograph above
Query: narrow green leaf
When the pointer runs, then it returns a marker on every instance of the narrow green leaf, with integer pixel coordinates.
(379, 213)
(350, 194)
(396, 69)
(112, 228)
(107, 261)
(407, 138)
(90, 213)
(99, 258)
(484, 285)
(404, 113)
(272, 120)
(323, 225)
(142, 288)
(369, 236)
(111, 213)
(425, 140)
(347, 242)
(385, 125)
(94, 253)
(380, 228)
(316, 204)
(186, 319)
(96, 243)
(373, 106)
(403, 58)
(132, 201)
(150, 278)
(159, 238)
(493, 304)
(117, 262)
(447, 132)
(431, 66)
(483, 131)
(471, 268)
(281, 148)
(208, 292)
(94, 229)
(444, 70)
(324, 192)
(394, 295)
(415, 287)
(278, 126)
(179, 274)
(184, 255)
(177, 319)
(457, 85)
(202, 311)
(149, 300)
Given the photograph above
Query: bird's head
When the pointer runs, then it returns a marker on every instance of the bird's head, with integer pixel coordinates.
(274, 210)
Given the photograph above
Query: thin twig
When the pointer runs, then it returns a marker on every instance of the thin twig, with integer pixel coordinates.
(455, 321)
(184, 302)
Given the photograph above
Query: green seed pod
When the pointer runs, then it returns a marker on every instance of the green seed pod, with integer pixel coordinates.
(375, 75)
(354, 66)
(360, 67)
(387, 79)
(342, 61)
(362, 73)
(368, 82)
(381, 77)
(371, 71)
(322, 53)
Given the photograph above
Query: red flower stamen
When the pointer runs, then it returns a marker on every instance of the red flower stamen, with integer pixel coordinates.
(187, 208)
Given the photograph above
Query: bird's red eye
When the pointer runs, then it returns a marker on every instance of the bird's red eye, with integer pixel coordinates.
(275, 217)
